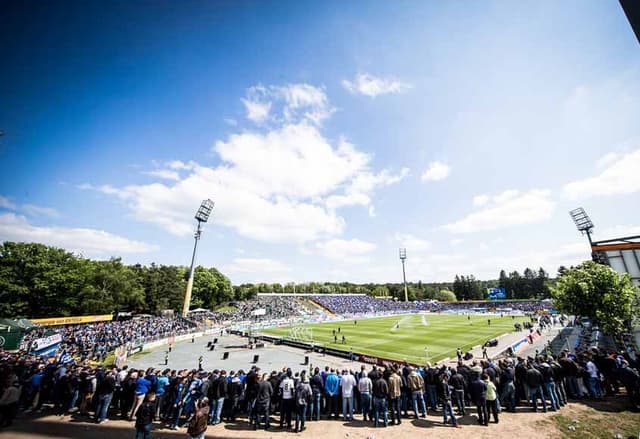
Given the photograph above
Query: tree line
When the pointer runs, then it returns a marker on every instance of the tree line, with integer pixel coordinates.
(41, 281)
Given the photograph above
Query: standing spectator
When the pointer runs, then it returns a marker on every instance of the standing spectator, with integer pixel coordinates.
(262, 401)
(534, 383)
(380, 394)
(331, 386)
(594, 379)
(447, 409)
(549, 386)
(458, 382)
(364, 387)
(416, 384)
(395, 385)
(478, 392)
(508, 394)
(105, 390)
(198, 424)
(88, 385)
(303, 398)
(223, 389)
(317, 387)
(144, 416)
(9, 403)
(492, 399)
(161, 389)
(287, 389)
(142, 388)
(347, 384)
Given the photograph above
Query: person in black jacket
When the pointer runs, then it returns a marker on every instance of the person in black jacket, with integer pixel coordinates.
(478, 391)
(445, 392)
(262, 405)
(105, 389)
(380, 394)
(534, 381)
(458, 383)
(145, 415)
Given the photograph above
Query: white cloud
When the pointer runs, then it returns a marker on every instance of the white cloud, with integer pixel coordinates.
(89, 242)
(29, 209)
(291, 103)
(6, 203)
(480, 200)
(372, 86)
(166, 174)
(507, 209)
(436, 171)
(412, 243)
(33, 210)
(279, 184)
(607, 159)
(347, 251)
(621, 176)
(255, 265)
(456, 242)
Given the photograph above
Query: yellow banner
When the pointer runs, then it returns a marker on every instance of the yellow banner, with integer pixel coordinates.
(52, 321)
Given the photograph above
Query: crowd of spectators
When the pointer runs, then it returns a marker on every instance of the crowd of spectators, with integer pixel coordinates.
(382, 396)
(363, 304)
(96, 340)
(275, 307)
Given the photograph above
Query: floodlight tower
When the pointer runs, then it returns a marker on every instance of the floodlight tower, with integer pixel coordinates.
(202, 216)
(403, 257)
(583, 222)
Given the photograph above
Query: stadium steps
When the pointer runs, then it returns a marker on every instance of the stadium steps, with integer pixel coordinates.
(321, 308)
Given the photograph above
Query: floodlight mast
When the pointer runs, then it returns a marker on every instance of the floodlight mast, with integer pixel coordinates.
(202, 216)
(583, 222)
(403, 257)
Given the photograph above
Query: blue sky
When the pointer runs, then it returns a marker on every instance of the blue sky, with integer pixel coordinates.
(328, 134)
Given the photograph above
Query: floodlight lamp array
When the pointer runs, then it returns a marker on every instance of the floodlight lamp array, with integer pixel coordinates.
(582, 220)
(202, 215)
(403, 253)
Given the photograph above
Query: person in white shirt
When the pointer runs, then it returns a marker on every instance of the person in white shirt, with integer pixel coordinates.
(594, 380)
(347, 384)
(287, 392)
(364, 387)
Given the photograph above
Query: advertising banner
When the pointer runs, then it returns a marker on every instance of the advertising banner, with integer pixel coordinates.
(52, 321)
(46, 345)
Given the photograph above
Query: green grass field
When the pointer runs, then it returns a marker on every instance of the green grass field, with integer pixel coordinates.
(441, 334)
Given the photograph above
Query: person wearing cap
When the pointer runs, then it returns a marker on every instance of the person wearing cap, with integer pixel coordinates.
(549, 386)
(364, 387)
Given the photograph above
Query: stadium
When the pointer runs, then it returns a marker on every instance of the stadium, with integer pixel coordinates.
(237, 219)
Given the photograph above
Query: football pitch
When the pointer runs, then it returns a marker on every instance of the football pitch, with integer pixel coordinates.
(405, 337)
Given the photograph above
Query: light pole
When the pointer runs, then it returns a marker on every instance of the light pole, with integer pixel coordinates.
(403, 257)
(202, 215)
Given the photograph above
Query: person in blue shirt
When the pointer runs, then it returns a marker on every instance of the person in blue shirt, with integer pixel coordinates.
(331, 387)
(161, 384)
(142, 387)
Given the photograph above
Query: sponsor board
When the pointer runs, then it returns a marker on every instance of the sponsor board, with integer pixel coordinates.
(53, 321)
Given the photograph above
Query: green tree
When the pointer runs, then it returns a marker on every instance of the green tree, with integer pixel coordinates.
(445, 296)
(210, 288)
(598, 292)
